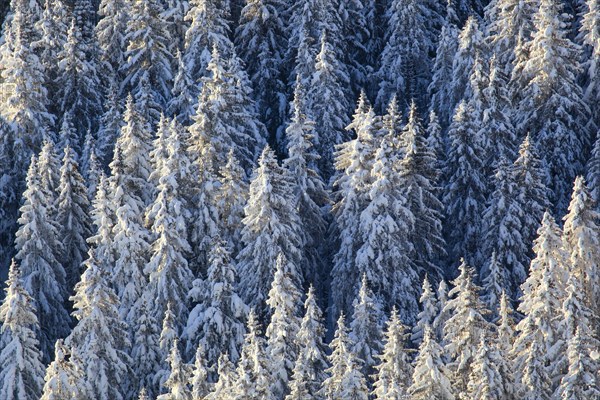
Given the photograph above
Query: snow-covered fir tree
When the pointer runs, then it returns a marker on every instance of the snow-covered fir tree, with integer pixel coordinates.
(328, 86)
(541, 302)
(384, 254)
(580, 236)
(431, 378)
(209, 29)
(78, 84)
(73, 217)
(61, 380)
(24, 107)
(169, 274)
(100, 336)
(354, 161)
(418, 178)
(177, 385)
(440, 89)
(254, 374)
(231, 200)
(345, 380)
(309, 189)
(217, 321)
(366, 328)
(505, 254)
(145, 351)
(465, 327)
(260, 39)
(283, 299)
(22, 371)
(147, 56)
(271, 227)
(225, 386)
(465, 191)
(43, 275)
(405, 63)
(394, 370)
(580, 382)
(552, 107)
(110, 36)
(199, 380)
(184, 92)
(226, 115)
(310, 366)
(428, 312)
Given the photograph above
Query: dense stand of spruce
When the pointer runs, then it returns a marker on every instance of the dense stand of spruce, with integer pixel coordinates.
(300, 199)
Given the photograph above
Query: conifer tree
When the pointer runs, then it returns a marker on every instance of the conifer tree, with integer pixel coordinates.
(541, 302)
(345, 380)
(532, 192)
(21, 368)
(494, 283)
(418, 177)
(168, 270)
(78, 85)
(394, 371)
(254, 377)
(100, 336)
(308, 373)
(103, 218)
(110, 123)
(134, 144)
(580, 236)
(552, 107)
(440, 320)
(436, 141)
(440, 88)
(284, 297)
(367, 327)
(231, 200)
(110, 36)
(177, 384)
(216, 323)
(511, 26)
(464, 329)
(309, 189)
(168, 335)
(208, 29)
(225, 117)
(261, 42)
(589, 37)
(24, 107)
(271, 227)
(145, 351)
(575, 319)
(225, 386)
(580, 382)
(536, 383)
(61, 377)
(428, 312)
(147, 55)
(384, 246)
(485, 380)
(52, 27)
(327, 86)
(465, 191)
(43, 275)
(307, 22)
(184, 93)
(405, 65)
(73, 217)
(129, 246)
(49, 175)
(503, 240)
(199, 380)
(354, 161)
(470, 47)
(430, 379)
